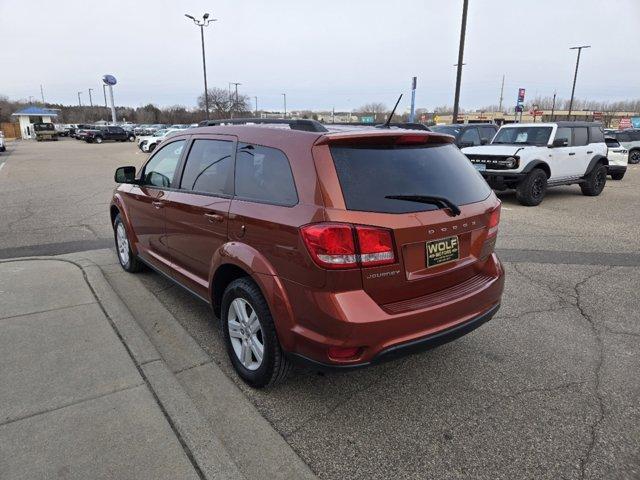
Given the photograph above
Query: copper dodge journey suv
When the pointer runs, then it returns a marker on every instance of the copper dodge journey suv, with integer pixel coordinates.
(337, 249)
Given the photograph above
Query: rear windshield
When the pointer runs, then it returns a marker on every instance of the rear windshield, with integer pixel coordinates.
(612, 142)
(368, 174)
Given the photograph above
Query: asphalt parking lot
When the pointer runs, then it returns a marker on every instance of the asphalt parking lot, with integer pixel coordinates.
(547, 389)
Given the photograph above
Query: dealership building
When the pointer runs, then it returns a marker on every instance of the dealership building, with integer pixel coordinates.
(33, 114)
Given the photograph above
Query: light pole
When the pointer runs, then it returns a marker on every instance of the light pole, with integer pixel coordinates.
(79, 101)
(575, 76)
(256, 98)
(235, 102)
(463, 28)
(203, 23)
(104, 91)
(90, 100)
(284, 96)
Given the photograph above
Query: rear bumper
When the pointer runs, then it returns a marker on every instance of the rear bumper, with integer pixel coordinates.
(324, 319)
(616, 169)
(404, 349)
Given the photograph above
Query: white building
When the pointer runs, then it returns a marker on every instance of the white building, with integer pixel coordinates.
(30, 115)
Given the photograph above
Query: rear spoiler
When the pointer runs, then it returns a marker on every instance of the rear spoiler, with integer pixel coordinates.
(385, 137)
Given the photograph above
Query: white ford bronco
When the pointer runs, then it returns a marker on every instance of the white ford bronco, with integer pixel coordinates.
(533, 156)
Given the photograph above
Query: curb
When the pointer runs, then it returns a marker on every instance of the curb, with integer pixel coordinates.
(204, 449)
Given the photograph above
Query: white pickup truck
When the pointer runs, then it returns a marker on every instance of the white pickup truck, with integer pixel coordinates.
(531, 157)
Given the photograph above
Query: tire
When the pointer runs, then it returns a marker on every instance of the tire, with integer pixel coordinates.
(98, 140)
(595, 181)
(634, 157)
(127, 259)
(243, 295)
(531, 191)
(151, 148)
(132, 138)
(618, 175)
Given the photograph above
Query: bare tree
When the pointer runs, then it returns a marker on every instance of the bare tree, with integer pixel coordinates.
(224, 103)
(376, 110)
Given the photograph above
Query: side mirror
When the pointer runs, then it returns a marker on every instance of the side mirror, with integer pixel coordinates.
(125, 175)
(560, 142)
(484, 141)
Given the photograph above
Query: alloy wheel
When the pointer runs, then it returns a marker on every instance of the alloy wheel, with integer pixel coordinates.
(245, 332)
(123, 244)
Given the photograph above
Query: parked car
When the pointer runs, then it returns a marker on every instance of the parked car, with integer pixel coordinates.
(533, 156)
(618, 158)
(61, 130)
(307, 253)
(630, 140)
(468, 134)
(81, 131)
(148, 143)
(178, 126)
(3, 145)
(45, 131)
(139, 130)
(102, 134)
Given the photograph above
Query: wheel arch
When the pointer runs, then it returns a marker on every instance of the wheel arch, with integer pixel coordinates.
(544, 166)
(598, 159)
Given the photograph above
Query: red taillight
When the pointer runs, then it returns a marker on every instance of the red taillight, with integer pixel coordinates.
(376, 246)
(343, 353)
(494, 220)
(332, 245)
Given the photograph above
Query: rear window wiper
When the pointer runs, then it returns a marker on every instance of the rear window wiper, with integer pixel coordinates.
(442, 202)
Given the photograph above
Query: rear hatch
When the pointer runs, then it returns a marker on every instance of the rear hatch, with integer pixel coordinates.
(437, 245)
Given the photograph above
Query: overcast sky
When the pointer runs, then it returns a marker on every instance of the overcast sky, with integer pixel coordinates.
(323, 54)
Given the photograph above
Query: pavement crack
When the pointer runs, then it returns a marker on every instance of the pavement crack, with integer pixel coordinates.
(597, 381)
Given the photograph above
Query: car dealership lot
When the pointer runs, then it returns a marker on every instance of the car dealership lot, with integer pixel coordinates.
(547, 389)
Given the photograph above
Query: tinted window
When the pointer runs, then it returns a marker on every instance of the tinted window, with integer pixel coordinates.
(470, 136)
(160, 169)
(487, 132)
(368, 174)
(264, 174)
(635, 136)
(580, 136)
(596, 135)
(623, 137)
(612, 142)
(446, 129)
(523, 135)
(565, 133)
(209, 167)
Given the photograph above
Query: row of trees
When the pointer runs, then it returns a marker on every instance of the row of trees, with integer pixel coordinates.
(224, 104)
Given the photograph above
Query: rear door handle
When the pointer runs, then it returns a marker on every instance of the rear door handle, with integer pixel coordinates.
(214, 217)
(572, 153)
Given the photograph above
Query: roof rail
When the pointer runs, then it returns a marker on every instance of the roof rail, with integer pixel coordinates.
(405, 125)
(304, 125)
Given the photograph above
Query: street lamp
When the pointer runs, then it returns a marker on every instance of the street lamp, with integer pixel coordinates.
(203, 23)
(90, 100)
(575, 76)
(284, 95)
(234, 103)
(79, 101)
(463, 29)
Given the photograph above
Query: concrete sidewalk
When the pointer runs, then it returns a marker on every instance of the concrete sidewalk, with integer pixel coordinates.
(76, 399)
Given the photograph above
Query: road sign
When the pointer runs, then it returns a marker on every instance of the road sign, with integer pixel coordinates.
(518, 108)
(536, 113)
(367, 119)
(521, 92)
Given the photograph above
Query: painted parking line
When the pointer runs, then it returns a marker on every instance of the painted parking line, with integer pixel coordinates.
(2, 165)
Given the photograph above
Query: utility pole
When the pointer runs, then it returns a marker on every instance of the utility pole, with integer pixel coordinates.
(333, 115)
(553, 107)
(463, 28)
(284, 95)
(256, 99)
(575, 76)
(203, 23)
(90, 100)
(42, 93)
(501, 94)
(412, 115)
(79, 101)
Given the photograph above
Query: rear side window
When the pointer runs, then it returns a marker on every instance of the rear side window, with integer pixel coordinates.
(635, 136)
(580, 136)
(487, 133)
(263, 174)
(368, 174)
(612, 142)
(209, 167)
(596, 135)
